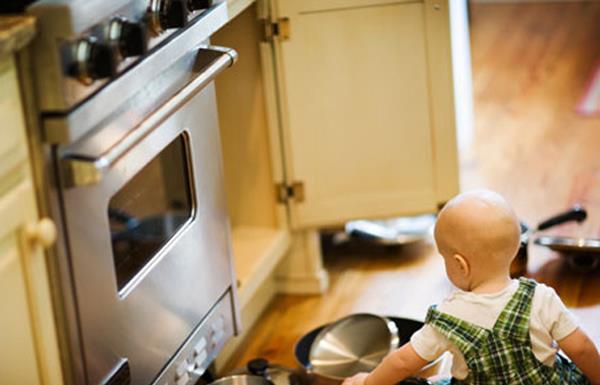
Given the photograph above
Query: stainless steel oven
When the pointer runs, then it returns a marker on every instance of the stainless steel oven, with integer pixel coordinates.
(143, 266)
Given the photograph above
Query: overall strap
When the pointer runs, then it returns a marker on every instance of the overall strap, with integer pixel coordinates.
(465, 335)
(513, 321)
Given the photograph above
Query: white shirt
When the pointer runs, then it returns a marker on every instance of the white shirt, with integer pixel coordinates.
(550, 321)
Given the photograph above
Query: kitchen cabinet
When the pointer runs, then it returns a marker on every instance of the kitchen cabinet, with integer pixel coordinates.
(359, 132)
(336, 110)
(29, 353)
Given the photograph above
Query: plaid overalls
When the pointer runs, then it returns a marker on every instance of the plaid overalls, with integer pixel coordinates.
(503, 355)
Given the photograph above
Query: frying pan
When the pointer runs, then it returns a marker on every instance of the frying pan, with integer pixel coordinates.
(575, 213)
(392, 232)
(582, 253)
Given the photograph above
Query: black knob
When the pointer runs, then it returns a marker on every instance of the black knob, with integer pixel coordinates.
(93, 60)
(174, 14)
(131, 38)
(103, 61)
(258, 366)
(195, 5)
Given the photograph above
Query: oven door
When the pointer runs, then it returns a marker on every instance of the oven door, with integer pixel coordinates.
(148, 234)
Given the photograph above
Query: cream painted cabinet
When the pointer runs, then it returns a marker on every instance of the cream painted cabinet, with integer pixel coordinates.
(18, 361)
(335, 110)
(359, 130)
(29, 353)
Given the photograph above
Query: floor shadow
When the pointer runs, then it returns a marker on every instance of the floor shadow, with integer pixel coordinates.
(579, 287)
(371, 256)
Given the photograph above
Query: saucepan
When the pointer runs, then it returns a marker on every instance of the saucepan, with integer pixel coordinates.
(242, 379)
(359, 342)
(260, 371)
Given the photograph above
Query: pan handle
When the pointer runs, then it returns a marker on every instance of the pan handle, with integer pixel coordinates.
(576, 213)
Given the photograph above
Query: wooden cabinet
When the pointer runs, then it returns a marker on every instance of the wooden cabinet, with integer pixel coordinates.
(29, 353)
(336, 110)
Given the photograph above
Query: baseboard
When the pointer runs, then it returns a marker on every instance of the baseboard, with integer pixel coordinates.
(316, 284)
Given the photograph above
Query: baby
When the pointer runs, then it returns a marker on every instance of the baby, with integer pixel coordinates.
(499, 331)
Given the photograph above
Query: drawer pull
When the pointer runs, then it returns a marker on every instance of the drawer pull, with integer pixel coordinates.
(42, 232)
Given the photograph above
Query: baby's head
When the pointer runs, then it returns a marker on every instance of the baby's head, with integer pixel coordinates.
(478, 235)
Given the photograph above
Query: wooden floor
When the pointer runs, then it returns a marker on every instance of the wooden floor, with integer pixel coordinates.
(530, 63)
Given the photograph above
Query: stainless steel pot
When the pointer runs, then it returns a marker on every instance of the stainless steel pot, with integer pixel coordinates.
(242, 379)
(274, 374)
(405, 329)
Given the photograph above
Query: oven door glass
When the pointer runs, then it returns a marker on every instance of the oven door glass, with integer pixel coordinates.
(149, 210)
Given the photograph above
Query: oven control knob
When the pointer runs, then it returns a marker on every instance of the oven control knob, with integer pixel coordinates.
(175, 15)
(165, 14)
(92, 60)
(131, 39)
(195, 5)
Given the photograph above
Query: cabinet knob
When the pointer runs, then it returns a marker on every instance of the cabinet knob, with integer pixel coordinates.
(42, 232)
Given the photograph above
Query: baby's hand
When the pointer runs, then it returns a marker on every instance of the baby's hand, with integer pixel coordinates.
(357, 379)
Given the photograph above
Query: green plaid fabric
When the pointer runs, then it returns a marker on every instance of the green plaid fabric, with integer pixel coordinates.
(503, 355)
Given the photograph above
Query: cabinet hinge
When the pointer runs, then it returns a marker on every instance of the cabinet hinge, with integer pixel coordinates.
(286, 192)
(279, 29)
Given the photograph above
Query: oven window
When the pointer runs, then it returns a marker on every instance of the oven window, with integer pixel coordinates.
(147, 212)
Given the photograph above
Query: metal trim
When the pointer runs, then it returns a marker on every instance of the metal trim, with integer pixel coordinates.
(84, 169)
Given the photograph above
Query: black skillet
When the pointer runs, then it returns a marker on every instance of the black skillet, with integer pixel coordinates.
(582, 253)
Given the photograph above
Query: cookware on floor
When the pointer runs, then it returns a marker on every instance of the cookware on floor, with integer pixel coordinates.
(356, 343)
(405, 329)
(275, 374)
(392, 232)
(242, 379)
(575, 245)
(582, 253)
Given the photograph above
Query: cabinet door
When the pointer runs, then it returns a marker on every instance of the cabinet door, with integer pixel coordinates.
(18, 362)
(355, 97)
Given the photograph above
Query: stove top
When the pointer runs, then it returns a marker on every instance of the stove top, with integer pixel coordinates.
(14, 6)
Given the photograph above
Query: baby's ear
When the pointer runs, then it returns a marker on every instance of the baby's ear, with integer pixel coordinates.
(463, 264)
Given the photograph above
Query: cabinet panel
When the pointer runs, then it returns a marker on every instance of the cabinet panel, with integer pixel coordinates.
(243, 121)
(13, 146)
(306, 6)
(356, 97)
(18, 363)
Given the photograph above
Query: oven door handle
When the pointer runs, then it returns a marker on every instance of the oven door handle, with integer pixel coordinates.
(82, 170)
